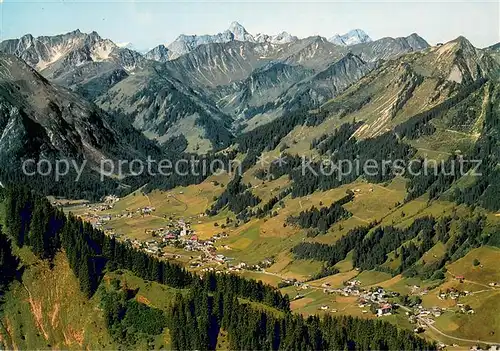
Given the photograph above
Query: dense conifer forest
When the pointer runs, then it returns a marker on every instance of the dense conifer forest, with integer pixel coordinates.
(323, 218)
(236, 196)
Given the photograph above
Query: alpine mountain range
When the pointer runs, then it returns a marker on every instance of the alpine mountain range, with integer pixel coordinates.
(211, 88)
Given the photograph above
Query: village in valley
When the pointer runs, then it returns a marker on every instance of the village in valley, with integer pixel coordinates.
(176, 239)
(176, 233)
(380, 302)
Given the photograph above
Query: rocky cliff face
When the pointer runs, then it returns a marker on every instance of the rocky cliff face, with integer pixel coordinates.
(218, 64)
(330, 82)
(159, 53)
(259, 92)
(459, 61)
(70, 49)
(411, 84)
(39, 119)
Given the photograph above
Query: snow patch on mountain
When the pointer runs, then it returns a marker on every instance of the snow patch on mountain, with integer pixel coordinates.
(126, 45)
(353, 37)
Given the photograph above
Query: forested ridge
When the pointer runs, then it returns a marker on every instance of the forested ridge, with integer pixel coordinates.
(251, 329)
(371, 245)
(215, 302)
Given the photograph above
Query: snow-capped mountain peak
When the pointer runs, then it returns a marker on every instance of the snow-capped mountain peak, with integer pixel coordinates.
(353, 37)
(240, 33)
(236, 32)
(126, 45)
(337, 40)
(356, 36)
(281, 38)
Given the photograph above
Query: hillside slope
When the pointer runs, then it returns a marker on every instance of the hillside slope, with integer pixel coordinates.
(162, 107)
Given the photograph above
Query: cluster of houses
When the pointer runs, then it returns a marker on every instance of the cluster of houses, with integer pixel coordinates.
(175, 233)
(141, 211)
(374, 299)
(97, 220)
(421, 312)
(189, 242)
(380, 301)
(259, 267)
(465, 309)
(452, 294)
(100, 220)
(179, 234)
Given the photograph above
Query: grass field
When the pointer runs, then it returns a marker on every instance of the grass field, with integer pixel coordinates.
(47, 310)
(267, 190)
(265, 278)
(484, 324)
(486, 272)
(440, 144)
(314, 300)
(188, 203)
(434, 254)
(369, 278)
(258, 239)
(336, 280)
(345, 265)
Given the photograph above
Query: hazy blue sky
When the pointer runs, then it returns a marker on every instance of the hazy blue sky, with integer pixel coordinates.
(149, 23)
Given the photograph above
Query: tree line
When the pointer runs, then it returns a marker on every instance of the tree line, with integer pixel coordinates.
(331, 254)
(8, 264)
(485, 190)
(417, 125)
(336, 140)
(269, 205)
(128, 321)
(32, 221)
(309, 175)
(371, 245)
(198, 318)
(372, 251)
